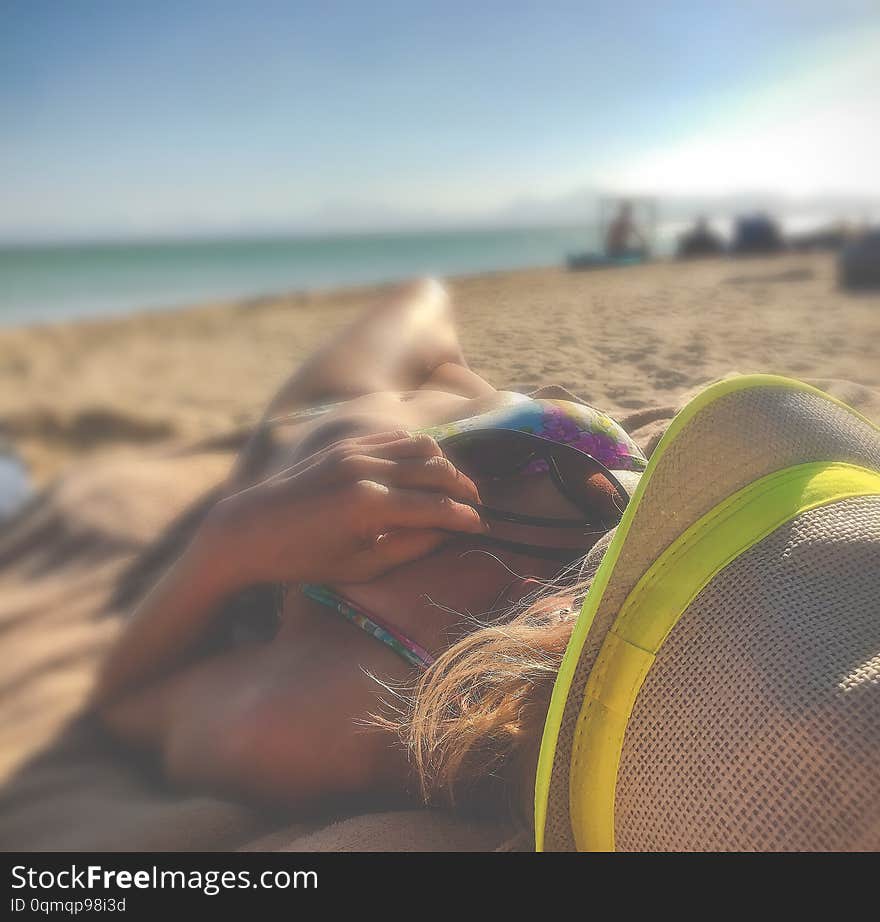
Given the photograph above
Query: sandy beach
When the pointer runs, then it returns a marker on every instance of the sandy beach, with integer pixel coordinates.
(620, 338)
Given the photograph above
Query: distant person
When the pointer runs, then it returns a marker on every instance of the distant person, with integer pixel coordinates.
(700, 240)
(622, 232)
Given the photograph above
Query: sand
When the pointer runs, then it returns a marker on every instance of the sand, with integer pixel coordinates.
(620, 338)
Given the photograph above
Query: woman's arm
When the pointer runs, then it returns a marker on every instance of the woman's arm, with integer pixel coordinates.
(348, 513)
(171, 618)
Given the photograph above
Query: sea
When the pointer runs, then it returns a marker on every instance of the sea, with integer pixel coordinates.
(45, 283)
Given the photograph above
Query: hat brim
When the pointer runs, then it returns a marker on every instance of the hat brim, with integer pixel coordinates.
(727, 439)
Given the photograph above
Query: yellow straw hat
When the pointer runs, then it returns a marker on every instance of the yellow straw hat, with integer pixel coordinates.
(721, 688)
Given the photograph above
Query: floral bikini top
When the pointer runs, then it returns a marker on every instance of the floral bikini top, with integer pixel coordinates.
(561, 421)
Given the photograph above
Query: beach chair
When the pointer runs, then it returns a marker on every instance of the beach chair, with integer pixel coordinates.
(721, 689)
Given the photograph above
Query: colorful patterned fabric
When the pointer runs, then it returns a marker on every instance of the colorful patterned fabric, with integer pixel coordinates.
(399, 643)
(562, 421)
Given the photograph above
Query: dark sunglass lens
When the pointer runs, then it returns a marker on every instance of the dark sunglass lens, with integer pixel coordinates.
(495, 454)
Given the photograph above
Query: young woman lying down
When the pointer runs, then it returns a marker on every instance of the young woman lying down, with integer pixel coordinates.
(376, 608)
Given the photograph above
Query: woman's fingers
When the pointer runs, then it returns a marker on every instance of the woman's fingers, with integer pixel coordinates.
(326, 458)
(412, 446)
(338, 462)
(380, 509)
(399, 547)
(435, 473)
(396, 443)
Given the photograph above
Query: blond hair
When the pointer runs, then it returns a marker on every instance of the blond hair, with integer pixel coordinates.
(472, 724)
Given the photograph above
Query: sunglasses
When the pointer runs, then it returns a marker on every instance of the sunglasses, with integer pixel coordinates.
(579, 477)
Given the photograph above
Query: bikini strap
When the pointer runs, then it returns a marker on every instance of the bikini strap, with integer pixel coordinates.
(402, 645)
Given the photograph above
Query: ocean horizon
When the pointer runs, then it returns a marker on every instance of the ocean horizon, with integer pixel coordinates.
(42, 283)
(50, 282)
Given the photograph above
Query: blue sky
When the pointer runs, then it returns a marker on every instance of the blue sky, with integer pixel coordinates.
(174, 117)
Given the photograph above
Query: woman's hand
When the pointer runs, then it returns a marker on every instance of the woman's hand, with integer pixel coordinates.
(346, 514)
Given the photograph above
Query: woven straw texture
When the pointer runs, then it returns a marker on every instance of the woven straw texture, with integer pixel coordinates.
(758, 726)
(737, 439)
